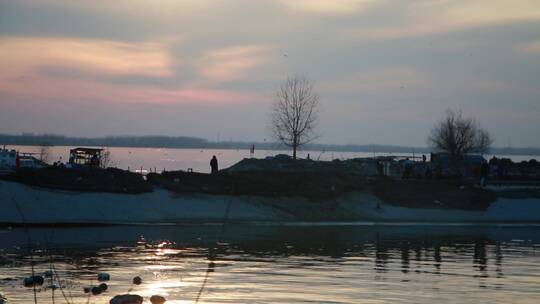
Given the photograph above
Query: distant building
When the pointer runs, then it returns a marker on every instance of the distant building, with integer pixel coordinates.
(8, 160)
(86, 157)
(28, 161)
(471, 159)
(469, 166)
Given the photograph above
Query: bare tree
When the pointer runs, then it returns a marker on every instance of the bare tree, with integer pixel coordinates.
(44, 153)
(458, 136)
(295, 112)
(105, 160)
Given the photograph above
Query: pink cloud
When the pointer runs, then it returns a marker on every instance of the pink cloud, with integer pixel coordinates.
(73, 90)
(530, 48)
(22, 55)
(422, 18)
(232, 63)
(21, 61)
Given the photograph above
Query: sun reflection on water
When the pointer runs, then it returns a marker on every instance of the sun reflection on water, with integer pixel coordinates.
(285, 264)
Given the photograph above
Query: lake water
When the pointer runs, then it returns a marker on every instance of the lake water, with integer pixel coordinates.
(160, 159)
(348, 263)
(258, 263)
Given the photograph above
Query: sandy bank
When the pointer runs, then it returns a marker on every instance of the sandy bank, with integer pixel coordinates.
(21, 203)
(40, 205)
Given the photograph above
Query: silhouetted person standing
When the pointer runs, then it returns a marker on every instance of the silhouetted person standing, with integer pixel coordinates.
(214, 165)
(484, 172)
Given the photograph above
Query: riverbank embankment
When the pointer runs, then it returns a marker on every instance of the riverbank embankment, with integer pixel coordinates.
(23, 204)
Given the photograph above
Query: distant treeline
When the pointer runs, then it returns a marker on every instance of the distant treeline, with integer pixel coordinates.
(109, 141)
(199, 143)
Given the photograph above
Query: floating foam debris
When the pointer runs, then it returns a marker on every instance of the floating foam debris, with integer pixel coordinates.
(155, 299)
(137, 280)
(96, 290)
(53, 286)
(103, 276)
(33, 280)
(126, 299)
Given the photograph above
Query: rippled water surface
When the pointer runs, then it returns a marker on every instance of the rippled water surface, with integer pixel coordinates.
(355, 263)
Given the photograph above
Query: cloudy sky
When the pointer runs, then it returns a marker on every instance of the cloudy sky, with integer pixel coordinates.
(385, 70)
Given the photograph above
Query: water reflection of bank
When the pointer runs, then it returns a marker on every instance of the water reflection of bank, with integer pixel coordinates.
(257, 263)
(404, 248)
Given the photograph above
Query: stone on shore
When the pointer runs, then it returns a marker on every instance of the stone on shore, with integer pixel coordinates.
(126, 299)
(155, 299)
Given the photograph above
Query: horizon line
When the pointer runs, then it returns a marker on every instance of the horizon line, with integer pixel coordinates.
(203, 141)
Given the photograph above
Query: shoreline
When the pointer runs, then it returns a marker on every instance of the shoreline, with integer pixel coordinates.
(204, 144)
(40, 206)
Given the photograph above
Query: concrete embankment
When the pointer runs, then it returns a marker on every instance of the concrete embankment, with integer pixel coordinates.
(26, 204)
(22, 204)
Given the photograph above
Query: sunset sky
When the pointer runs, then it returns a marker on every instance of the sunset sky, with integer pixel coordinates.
(385, 70)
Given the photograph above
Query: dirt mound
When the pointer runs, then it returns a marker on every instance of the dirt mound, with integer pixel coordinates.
(327, 185)
(82, 179)
(319, 181)
(274, 184)
(285, 164)
(439, 194)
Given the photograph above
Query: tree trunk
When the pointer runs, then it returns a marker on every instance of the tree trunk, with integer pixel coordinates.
(295, 145)
(456, 161)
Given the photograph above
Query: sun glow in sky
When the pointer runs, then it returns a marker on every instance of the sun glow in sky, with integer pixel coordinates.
(385, 70)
